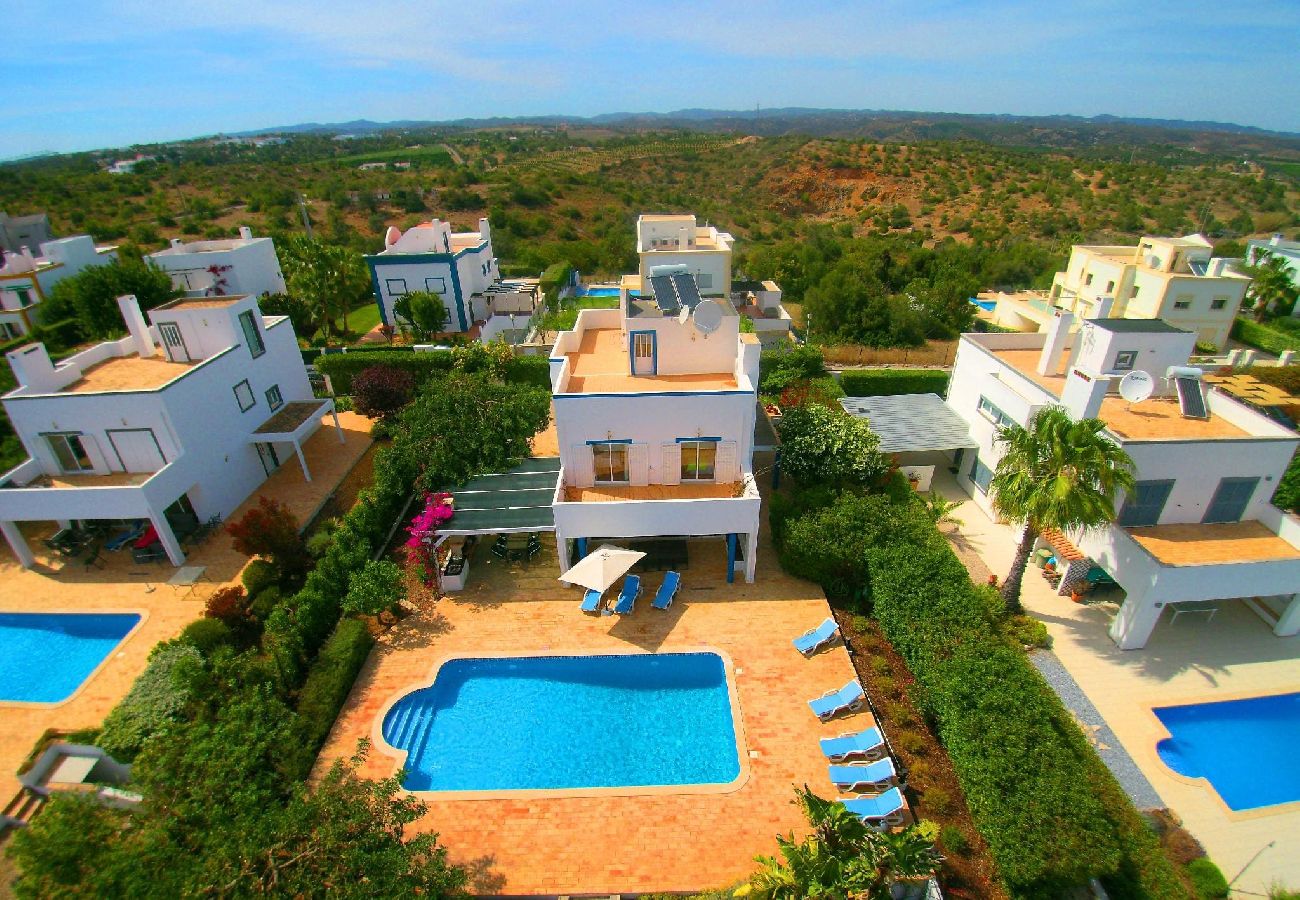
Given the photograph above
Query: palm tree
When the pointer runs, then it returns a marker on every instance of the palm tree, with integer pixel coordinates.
(1272, 289)
(1057, 473)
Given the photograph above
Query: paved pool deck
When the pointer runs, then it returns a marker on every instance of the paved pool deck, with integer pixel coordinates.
(626, 841)
(1235, 655)
(58, 585)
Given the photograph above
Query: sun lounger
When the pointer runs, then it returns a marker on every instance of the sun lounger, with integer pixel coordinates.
(627, 597)
(591, 602)
(873, 776)
(880, 811)
(667, 591)
(867, 744)
(122, 538)
(813, 640)
(847, 699)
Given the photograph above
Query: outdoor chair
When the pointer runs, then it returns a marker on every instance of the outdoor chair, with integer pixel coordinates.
(868, 744)
(591, 601)
(878, 812)
(499, 547)
(814, 639)
(92, 555)
(152, 553)
(122, 538)
(667, 591)
(534, 545)
(627, 597)
(830, 704)
(873, 777)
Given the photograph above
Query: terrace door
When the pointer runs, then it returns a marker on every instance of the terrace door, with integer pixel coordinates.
(644, 355)
(1230, 500)
(137, 449)
(174, 342)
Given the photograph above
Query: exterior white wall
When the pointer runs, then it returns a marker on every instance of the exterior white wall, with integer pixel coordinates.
(711, 268)
(254, 267)
(1210, 325)
(651, 518)
(1195, 467)
(1098, 348)
(683, 350)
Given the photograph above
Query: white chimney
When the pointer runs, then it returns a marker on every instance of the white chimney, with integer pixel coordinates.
(1276, 239)
(177, 242)
(1083, 394)
(134, 320)
(484, 229)
(1217, 265)
(245, 232)
(683, 242)
(1104, 306)
(1058, 335)
(33, 368)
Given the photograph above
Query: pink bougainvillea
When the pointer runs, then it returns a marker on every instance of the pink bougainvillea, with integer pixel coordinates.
(437, 510)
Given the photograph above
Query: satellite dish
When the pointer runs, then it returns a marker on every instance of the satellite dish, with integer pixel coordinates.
(708, 316)
(1137, 386)
(1153, 261)
(684, 315)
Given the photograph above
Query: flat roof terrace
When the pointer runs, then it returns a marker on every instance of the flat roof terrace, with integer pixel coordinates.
(1207, 545)
(128, 373)
(605, 493)
(1155, 419)
(600, 365)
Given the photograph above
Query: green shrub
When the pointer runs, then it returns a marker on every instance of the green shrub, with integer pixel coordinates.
(778, 369)
(206, 635)
(1265, 337)
(938, 801)
(879, 664)
(375, 589)
(1207, 879)
(886, 686)
(953, 841)
(909, 741)
(899, 713)
(878, 382)
(327, 686)
(1028, 632)
(259, 575)
(265, 603)
(158, 697)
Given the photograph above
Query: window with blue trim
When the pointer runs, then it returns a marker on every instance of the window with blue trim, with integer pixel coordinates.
(699, 459)
(989, 410)
(396, 287)
(436, 284)
(981, 474)
(610, 458)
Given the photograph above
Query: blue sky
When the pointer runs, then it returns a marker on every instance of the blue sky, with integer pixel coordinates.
(85, 74)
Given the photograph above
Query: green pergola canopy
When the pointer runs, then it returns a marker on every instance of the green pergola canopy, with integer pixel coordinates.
(517, 500)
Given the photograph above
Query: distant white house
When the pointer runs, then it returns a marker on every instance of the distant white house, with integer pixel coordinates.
(30, 231)
(1178, 280)
(126, 166)
(458, 266)
(672, 240)
(26, 280)
(224, 267)
(1288, 251)
(655, 405)
(1200, 527)
(180, 420)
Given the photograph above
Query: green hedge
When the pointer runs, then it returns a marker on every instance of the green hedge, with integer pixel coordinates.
(56, 336)
(157, 698)
(327, 687)
(878, 382)
(342, 367)
(1272, 340)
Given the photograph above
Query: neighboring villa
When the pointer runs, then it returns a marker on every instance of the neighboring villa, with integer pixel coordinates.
(17, 232)
(225, 267)
(676, 240)
(1200, 527)
(458, 266)
(129, 429)
(1289, 251)
(654, 412)
(26, 280)
(1174, 279)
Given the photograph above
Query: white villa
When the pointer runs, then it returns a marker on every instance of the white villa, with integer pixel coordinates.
(225, 267)
(183, 418)
(678, 240)
(1200, 527)
(26, 280)
(1174, 279)
(458, 266)
(654, 411)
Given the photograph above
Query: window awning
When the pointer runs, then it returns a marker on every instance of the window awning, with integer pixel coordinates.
(911, 423)
(516, 500)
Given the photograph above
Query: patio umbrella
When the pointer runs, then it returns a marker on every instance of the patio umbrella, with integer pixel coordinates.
(602, 568)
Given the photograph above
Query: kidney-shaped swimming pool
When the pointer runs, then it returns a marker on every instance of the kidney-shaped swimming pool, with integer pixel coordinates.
(565, 722)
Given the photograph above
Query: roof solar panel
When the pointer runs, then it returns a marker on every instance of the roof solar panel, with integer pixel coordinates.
(665, 296)
(687, 289)
(1191, 398)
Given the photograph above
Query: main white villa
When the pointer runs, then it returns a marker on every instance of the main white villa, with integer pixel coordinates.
(182, 419)
(1200, 527)
(1177, 279)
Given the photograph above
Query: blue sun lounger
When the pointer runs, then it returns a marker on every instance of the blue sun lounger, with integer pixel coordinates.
(811, 641)
(667, 591)
(873, 776)
(879, 811)
(847, 699)
(591, 602)
(627, 597)
(869, 743)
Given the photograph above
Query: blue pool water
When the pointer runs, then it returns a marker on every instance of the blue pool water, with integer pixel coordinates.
(44, 657)
(568, 722)
(600, 292)
(986, 305)
(1245, 748)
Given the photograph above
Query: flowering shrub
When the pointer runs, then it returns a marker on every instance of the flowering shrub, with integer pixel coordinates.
(437, 510)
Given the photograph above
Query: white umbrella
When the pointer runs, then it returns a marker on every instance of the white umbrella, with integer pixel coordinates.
(602, 568)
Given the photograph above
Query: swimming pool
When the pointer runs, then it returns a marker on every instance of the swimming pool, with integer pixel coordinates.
(44, 657)
(599, 292)
(986, 305)
(563, 722)
(1244, 748)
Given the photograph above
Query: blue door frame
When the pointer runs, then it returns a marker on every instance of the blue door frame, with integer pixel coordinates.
(654, 352)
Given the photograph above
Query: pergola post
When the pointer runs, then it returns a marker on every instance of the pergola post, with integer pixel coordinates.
(562, 550)
(337, 427)
(1289, 622)
(302, 460)
(751, 556)
(731, 558)
(18, 544)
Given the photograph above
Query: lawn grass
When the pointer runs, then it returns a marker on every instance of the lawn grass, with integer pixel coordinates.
(358, 322)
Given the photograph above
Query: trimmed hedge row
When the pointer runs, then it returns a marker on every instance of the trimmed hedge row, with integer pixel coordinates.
(878, 382)
(1052, 814)
(56, 336)
(342, 367)
(1273, 340)
(327, 687)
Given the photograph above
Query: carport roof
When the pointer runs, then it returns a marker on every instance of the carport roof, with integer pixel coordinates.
(515, 500)
(910, 423)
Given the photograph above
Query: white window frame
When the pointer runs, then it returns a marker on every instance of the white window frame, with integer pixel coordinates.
(597, 447)
(991, 411)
